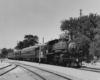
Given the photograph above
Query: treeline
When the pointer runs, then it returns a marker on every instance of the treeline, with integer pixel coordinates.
(5, 51)
(29, 40)
(86, 32)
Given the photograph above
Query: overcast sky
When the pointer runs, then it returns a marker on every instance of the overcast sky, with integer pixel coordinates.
(38, 17)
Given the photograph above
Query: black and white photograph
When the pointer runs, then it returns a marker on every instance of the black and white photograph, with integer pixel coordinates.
(49, 39)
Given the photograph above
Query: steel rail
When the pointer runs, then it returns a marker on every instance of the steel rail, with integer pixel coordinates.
(90, 69)
(33, 72)
(5, 66)
(55, 73)
(8, 70)
(48, 71)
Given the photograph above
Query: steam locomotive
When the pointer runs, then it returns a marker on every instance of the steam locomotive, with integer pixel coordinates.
(64, 53)
(57, 52)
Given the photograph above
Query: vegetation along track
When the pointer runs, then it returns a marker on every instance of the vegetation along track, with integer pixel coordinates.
(46, 74)
(7, 69)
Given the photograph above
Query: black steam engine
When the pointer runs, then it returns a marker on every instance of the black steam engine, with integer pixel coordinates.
(64, 52)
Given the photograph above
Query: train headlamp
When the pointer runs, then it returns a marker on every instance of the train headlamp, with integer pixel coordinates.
(77, 60)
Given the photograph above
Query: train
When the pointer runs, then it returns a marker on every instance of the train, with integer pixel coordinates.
(33, 53)
(56, 52)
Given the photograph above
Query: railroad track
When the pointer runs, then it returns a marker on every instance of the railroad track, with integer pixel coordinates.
(89, 69)
(45, 74)
(7, 69)
(5, 66)
(82, 68)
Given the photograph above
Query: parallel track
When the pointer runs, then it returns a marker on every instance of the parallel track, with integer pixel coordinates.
(46, 71)
(52, 73)
(4, 69)
(90, 69)
(5, 66)
(34, 72)
(82, 68)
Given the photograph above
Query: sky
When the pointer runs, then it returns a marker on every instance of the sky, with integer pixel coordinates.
(38, 17)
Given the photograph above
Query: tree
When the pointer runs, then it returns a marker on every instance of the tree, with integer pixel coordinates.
(29, 40)
(10, 50)
(95, 46)
(20, 45)
(83, 44)
(4, 52)
(64, 35)
(84, 25)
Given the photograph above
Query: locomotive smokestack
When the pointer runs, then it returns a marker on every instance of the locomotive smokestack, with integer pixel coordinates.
(43, 41)
(70, 36)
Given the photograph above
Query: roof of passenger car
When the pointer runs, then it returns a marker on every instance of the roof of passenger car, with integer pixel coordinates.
(17, 51)
(32, 48)
(29, 48)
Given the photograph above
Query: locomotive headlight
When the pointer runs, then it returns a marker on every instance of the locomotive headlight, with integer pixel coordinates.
(77, 60)
(72, 47)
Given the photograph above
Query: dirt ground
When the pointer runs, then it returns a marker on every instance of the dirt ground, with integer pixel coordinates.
(19, 74)
(16, 74)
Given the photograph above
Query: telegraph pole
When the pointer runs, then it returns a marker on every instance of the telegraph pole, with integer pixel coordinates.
(80, 17)
(40, 50)
(39, 53)
(43, 41)
(80, 13)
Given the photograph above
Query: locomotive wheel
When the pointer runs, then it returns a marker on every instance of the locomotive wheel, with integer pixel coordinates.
(68, 65)
(61, 62)
(73, 64)
(79, 64)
